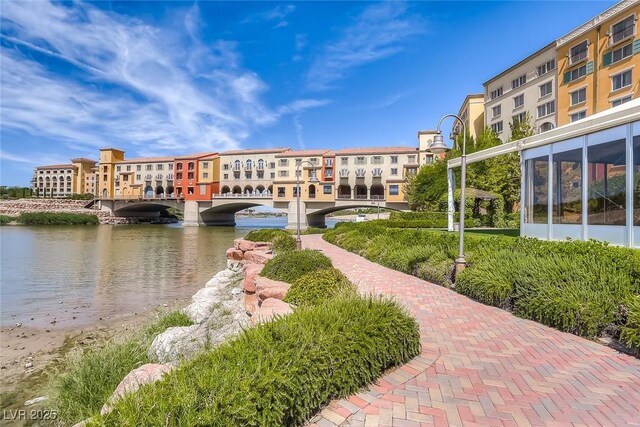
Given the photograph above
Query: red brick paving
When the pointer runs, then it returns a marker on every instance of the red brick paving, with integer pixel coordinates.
(483, 366)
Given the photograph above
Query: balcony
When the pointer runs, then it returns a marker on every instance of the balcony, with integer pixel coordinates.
(260, 167)
(344, 173)
(328, 163)
(360, 173)
(377, 172)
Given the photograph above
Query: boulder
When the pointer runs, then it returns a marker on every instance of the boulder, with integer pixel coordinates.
(250, 303)
(203, 302)
(251, 272)
(176, 344)
(263, 246)
(234, 265)
(145, 374)
(269, 309)
(243, 245)
(267, 288)
(257, 257)
(234, 254)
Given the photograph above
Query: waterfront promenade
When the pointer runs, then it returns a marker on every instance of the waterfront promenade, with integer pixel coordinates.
(483, 366)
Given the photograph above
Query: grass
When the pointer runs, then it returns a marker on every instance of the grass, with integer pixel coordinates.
(6, 219)
(279, 373)
(57, 218)
(86, 378)
(585, 288)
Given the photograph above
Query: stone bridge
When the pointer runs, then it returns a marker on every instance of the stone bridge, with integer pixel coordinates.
(222, 210)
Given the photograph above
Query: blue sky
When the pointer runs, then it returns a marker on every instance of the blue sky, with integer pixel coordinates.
(161, 78)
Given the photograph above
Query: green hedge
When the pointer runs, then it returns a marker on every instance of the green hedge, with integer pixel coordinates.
(575, 286)
(279, 373)
(57, 218)
(6, 219)
(421, 219)
(318, 286)
(295, 265)
(265, 234)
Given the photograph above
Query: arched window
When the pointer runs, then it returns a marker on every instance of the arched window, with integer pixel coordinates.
(546, 126)
(236, 165)
(249, 164)
(312, 191)
(260, 164)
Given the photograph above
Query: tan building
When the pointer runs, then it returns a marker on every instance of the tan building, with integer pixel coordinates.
(77, 177)
(598, 63)
(248, 171)
(311, 164)
(472, 115)
(526, 88)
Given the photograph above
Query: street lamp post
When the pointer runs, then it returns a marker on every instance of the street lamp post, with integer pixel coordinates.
(376, 199)
(438, 147)
(312, 179)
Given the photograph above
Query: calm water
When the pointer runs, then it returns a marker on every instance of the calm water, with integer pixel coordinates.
(107, 270)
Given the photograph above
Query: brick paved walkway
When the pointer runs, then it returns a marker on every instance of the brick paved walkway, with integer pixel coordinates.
(483, 366)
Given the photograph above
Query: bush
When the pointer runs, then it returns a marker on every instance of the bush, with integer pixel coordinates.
(86, 379)
(318, 286)
(630, 333)
(265, 234)
(283, 243)
(6, 219)
(294, 265)
(57, 218)
(279, 373)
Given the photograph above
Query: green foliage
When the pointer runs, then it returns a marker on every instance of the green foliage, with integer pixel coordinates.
(575, 286)
(283, 243)
(83, 196)
(319, 286)
(290, 266)
(281, 372)
(14, 192)
(630, 332)
(265, 234)
(6, 219)
(57, 218)
(86, 378)
(314, 230)
(521, 128)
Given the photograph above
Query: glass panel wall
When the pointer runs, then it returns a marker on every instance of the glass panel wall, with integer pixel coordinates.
(606, 172)
(567, 187)
(537, 190)
(636, 181)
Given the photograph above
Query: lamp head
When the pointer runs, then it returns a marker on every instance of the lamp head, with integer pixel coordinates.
(438, 146)
(313, 179)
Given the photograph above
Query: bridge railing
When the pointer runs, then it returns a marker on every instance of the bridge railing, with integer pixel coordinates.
(243, 196)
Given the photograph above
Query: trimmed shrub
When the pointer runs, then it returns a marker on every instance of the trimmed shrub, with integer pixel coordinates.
(630, 333)
(318, 286)
(87, 378)
(265, 234)
(295, 265)
(6, 219)
(57, 218)
(283, 243)
(279, 373)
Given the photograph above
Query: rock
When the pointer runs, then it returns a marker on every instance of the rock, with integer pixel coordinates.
(235, 266)
(203, 302)
(18, 325)
(267, 288)
(243, 245)
(35, 400)
(236, 291)
(270, 309)
(250, 303)
(234, 254)
(263, 246)
(145, 374)
(28, 365)
(174, 344)
(225, 275)
(257, 257)
(251, 271)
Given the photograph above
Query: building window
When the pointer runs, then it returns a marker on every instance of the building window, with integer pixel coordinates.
(281, 191)
(578, 116)
(621, 80)
(328, 173)
(567, 187)
(518, 101)
(205, 165)
(623, 29)
(225, 167)
(170, 166)
(344, 161)
(546, 67)
(138, 168)
(537, 190)
(148, 167)
(237, 166)
(138, 177)
(411, 159)
(283, 162)
(621, 101)
(205, 175)
(189, 190)
(546, 89)
(519, 81)
(203, 190)
(273, 175)
(226, 176)
(272, 165)
(178, 175)
(394, 171)
(190, 175)
(159, 167)
(361, 161)
(128, 168)
(579, 96)
(191, 166)
(618, 54)
(578, 52)
(117, 169)
(606, 171)
(179, 166)
(546, 109)
(394, 159)
(260, 164)
(496, 93)
(497, 127)
(577, 73)
(393, 190)
(326, 189)
(249, 165)
(283, 174)
(521, 117)
(260, 174)
(497, 110)
(636, 179)
(376, 160)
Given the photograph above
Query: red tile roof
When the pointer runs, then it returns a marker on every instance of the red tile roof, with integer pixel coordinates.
(255, 151)
(197, 155)
(148, 160)
(82, 160)
(302, 153)
(377, 150)
(69, 166)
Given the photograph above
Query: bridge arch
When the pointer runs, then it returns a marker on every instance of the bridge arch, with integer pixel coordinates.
(247, 189)
(225, 190)
(237, 189)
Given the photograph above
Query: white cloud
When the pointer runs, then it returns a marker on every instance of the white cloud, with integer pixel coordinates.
(375, 34)
(127, 83)
(278, 13)
(298, 126)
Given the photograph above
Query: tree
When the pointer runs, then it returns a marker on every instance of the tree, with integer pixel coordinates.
(521, 128)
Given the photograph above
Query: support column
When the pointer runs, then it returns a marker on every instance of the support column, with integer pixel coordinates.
(292, 216)
(451, 181)
(191, 214)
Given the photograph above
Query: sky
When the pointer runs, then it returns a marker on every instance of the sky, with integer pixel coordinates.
(165, 78)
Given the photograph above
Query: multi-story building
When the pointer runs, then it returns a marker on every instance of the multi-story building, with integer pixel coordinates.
(77, 177)
(526, 88)
(598, 63)
(313, 175)
(472, 115)
(197, 176)
(248, 171)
